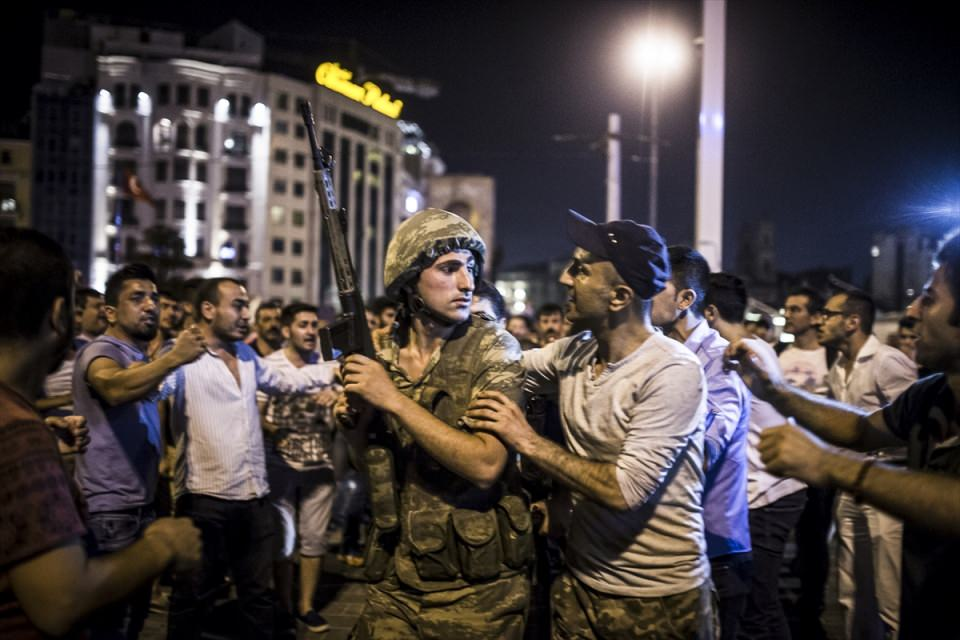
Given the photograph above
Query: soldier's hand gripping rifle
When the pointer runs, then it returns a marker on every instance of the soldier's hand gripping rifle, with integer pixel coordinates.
(350, 333)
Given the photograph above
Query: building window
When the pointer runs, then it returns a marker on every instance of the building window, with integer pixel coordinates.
(160, 173)
(201, 211)
(122, 171)
(201, 172)
(280, 156)
(232, 108)
(236, 179)
(183, 136)
(163, 94)
(297, 218)
(200, 247)
(280, 186)
(200, 137)
(278, 246)
(236, 144)
(299, 132)
(126, 135)
(276, 275)
(283, 102)
(179, 210)
(5, 157)
(276, 214)
(296, 247)
(244, 106)
(183, 95)
(203, 100)
(281, 127)
(160, 209)
(298, 189)
(329, 113)
(235, 218)
(162, 135)
(181, 168)
(242, 254)
(296, 277)
(120, 95)
(299, 160)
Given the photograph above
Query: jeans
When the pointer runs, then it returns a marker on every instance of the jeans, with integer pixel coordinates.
(237, 537)
(111, 531)
(770, 525)
(731, 577)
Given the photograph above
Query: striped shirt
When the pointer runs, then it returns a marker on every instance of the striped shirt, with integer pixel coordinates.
(216, 424)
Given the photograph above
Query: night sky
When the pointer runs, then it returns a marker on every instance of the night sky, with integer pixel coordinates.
(843, 118)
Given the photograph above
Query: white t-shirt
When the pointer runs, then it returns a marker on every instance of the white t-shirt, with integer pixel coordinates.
(645, 415)
(764, 488)
(806, 369)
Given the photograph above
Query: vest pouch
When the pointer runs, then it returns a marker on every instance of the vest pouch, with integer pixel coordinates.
(430, 548)
(477, 545)
(378, 556)
(516, 531)
(384, 503)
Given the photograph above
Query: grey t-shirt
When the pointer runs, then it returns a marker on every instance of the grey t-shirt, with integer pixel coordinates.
(645, 415)
(119, 468)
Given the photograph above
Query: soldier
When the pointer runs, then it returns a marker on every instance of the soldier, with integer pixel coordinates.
(452, 563)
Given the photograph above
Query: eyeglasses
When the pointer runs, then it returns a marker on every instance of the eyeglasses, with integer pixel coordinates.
(826, 314)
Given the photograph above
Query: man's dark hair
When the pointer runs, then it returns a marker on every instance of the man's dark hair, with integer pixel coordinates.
(209, 291)
(83, 294)
(526, 320)
(948, 257)
(690, 271)
(814, 299)
(380, 303)
(486, 290)
(290, 312)
(188, 290)
(135, 271)
(549, 309)
(34, 271)
(169, 293)
(860, 303)
(907, 322)
(267, 305)
(728, 294)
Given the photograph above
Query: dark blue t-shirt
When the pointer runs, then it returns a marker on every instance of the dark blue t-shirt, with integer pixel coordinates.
(925, 417)
(119, 468)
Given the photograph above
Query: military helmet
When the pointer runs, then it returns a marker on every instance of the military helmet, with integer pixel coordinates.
(423, 238)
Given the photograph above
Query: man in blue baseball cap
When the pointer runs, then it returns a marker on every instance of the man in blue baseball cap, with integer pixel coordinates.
(632, 404)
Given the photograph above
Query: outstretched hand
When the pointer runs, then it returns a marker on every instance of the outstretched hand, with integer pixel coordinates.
(495, 412)
(759, 371)
(790, 451)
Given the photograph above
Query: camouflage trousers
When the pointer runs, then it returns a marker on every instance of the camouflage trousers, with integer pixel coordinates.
(581, 613)
(495, 610)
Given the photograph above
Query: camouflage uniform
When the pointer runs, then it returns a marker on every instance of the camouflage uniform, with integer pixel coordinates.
(458, 568)
(582, 613)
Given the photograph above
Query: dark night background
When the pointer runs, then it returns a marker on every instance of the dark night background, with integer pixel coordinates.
(842, 118)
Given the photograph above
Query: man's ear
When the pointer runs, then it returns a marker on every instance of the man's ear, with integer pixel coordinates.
(710, 314)
(686, 299)
(851, 322)
(621, 297)
(111, 313)
(285, 330)
(207, 311)
(60, 321)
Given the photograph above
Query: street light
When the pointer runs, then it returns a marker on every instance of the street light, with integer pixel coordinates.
(657, 55)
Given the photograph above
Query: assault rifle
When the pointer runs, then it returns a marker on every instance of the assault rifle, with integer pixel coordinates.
(349, 333)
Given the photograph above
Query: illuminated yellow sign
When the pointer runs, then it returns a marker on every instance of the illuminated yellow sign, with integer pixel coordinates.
(332, 76)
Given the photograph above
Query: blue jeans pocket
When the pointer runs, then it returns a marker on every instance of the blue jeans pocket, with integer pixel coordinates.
(114, 531)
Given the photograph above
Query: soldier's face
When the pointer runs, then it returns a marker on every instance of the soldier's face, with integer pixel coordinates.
(446, 286)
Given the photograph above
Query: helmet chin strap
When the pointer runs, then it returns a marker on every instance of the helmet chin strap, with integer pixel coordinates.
(419, 308)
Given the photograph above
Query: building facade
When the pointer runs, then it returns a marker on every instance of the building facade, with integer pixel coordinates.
(15, 177)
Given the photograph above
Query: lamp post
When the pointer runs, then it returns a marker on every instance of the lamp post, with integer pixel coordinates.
(656, 55)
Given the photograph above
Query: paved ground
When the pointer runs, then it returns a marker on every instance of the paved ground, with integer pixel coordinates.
(341, 596)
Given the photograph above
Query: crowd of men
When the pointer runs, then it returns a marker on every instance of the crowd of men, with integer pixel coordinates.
(642, 432)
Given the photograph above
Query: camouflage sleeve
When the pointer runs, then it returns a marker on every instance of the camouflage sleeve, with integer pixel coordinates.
(500, 368)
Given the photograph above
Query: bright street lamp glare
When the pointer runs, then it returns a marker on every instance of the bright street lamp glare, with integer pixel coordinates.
(656, 54)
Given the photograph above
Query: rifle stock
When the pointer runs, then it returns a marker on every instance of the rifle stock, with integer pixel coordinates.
(349, 333)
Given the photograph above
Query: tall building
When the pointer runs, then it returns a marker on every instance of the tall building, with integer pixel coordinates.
(15, 177)
(900, 267)
(150, 139)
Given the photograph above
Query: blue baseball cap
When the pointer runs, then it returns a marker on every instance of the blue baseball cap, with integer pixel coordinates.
(636, 250)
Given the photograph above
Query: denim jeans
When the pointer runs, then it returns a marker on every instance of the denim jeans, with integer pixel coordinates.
(763, 618)
(237, 538)
(111, 531)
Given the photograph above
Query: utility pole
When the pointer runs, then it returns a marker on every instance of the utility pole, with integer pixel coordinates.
(613, 167)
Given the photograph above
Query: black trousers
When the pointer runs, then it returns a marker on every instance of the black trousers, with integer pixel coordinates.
(731, 576)
(813, 561)
(237, 537)
(763, 617)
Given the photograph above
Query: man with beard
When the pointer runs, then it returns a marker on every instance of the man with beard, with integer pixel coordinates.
(266, 324)
(220, 475)
(925, 418)
(170, 322)
(298, 431)
(632, 403)
(549, 323)
(91, 316)
(116, 393)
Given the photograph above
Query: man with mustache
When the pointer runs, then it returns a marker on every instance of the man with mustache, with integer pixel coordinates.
(298, 431)
(266, 323)
(220, 475)
(116, 393)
